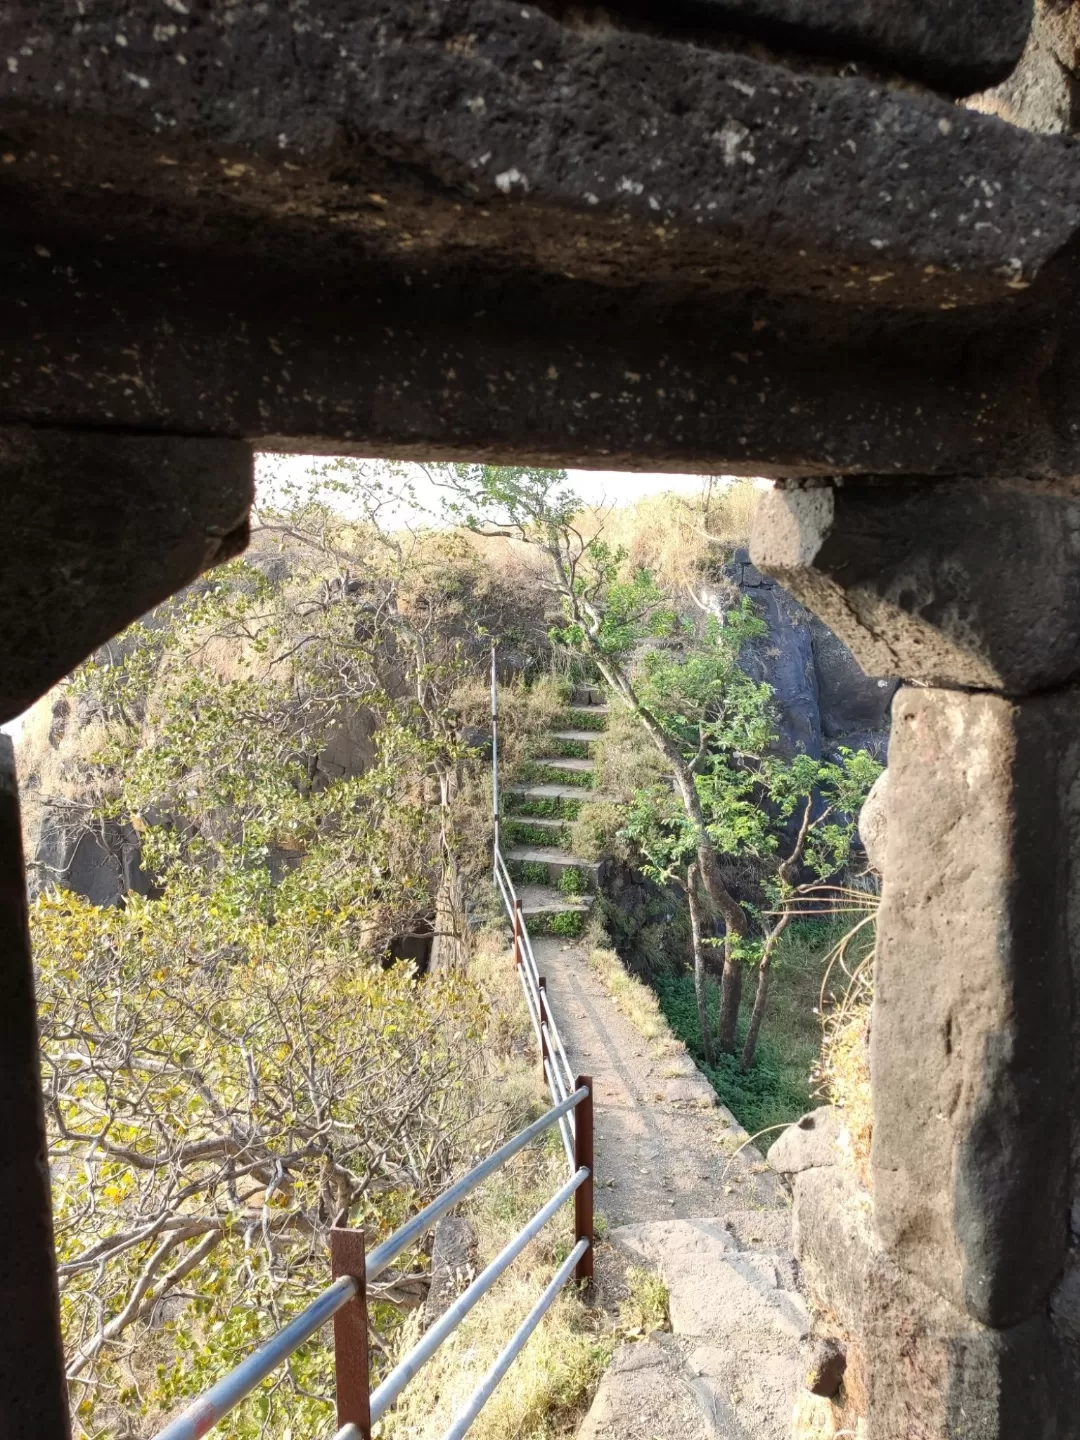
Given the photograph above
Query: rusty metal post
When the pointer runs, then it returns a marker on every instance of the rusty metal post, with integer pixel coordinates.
(545, 1055)
(584, 1158)
(352, 1378)
(517, 933)
(33, 1390)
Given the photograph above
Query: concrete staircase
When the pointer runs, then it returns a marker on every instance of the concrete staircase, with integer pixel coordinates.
(556, 887)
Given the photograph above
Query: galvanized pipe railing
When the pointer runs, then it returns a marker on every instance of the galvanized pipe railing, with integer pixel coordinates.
(200, 1417)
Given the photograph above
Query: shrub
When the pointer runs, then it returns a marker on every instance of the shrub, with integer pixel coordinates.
(584, 720)
(544, 806)
(573, 881)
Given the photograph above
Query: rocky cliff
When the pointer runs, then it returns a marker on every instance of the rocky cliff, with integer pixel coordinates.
(824, 698)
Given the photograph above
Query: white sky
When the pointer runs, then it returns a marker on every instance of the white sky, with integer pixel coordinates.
(613, 487)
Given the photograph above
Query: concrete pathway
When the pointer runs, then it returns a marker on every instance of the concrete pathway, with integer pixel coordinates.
(714, 1224)
(677, 1192)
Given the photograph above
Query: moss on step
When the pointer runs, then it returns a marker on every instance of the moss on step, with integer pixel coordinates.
(565, 923)
(584, 720)
(543, 806)
(534, 772)
(520, 832)
(565, 749)
(528, 872)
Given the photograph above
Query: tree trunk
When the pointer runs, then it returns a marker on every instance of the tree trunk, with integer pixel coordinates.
(761, 997)
(721, 897)
(699, 964)
(730, 1000)
(757, 1015)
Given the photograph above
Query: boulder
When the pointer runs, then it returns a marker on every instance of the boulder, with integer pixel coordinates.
(819, 1138)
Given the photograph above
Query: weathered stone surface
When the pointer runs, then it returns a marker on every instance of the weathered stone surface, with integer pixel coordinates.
(817, 1139)
(644, 1394)
(99, 528)
(1043, 92)
(874, 822)
(834, 1240)
(935, 583)
(950, 1378)
(745, 1305)
(715, 1287)
(957, 47)
(934, 1372)
(970, 1044)
(292, 232)
(690, 1090)
(825, 1373)
(718, 145)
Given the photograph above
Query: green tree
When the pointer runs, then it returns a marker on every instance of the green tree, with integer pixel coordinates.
(233, 1064)
(713, 725)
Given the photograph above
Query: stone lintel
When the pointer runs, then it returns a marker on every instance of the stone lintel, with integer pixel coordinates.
(959, 48)
(99, 528)
(971, 1039)
(414, 130)
(954, 582)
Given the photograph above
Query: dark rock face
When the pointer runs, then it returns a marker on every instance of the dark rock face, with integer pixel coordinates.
(823, 698)
(934, 584)
(958, 47)
(102, 861)
(150, 514)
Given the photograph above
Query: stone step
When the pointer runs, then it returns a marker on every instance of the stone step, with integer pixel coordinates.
(563, 762)
(555, 792)
(585, 736)
(585, 696)
(740, 1342)
(591, 709)
(541, 822)
(549, 855)
(546, 900)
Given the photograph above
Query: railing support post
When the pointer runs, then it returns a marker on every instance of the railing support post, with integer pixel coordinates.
(517, 933)
(584, 1159)
(347, 1257)
(495, 753)
(545, 1055)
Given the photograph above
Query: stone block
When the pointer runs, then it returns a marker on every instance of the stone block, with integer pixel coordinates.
(100, 528)
(835, 1242)
(953, 583)
(957, 47)
(819, 1138)
(970, 1041)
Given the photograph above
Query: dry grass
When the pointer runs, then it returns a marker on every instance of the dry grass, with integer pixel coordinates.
(645, 1307)
(843, 1073)
(634, 1000)
(549, 1386)
(676, 535)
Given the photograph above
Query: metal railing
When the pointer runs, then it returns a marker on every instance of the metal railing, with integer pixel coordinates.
(353, 1267)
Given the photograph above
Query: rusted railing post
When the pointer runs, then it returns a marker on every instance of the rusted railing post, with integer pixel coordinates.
(545, 1055)
(517, 933)
(351, 1334)
(583, 1156)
